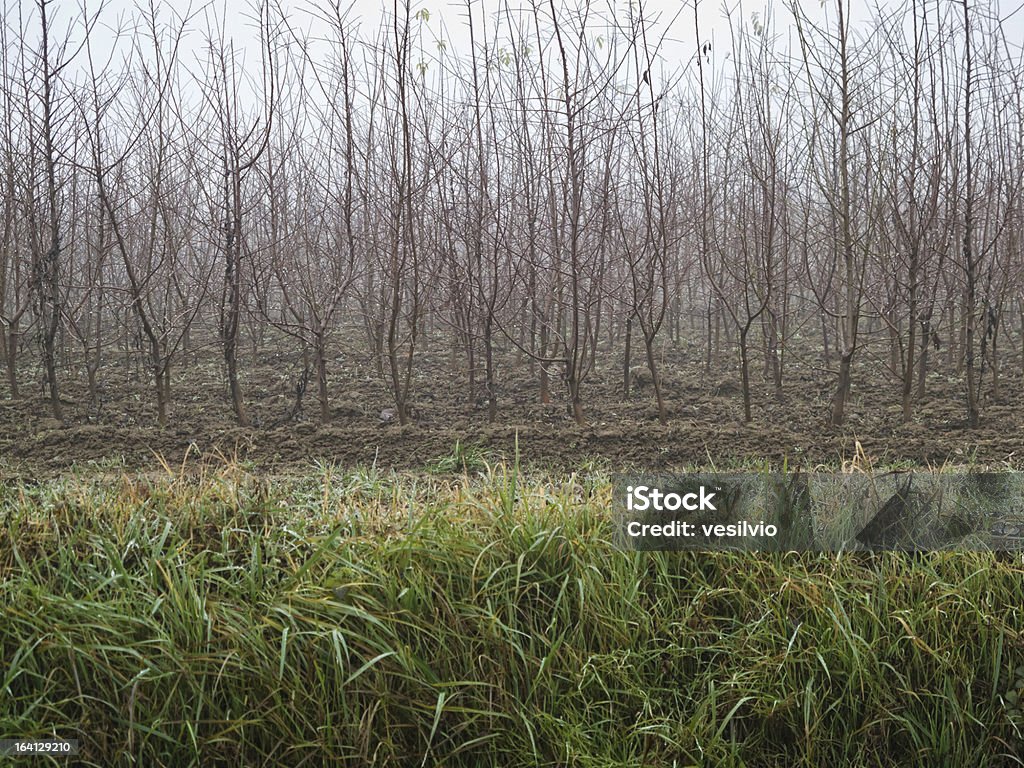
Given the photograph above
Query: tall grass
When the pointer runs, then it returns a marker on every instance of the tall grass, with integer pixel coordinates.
(358, 618)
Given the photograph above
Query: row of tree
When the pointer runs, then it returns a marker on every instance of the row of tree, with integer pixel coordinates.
(559, 189)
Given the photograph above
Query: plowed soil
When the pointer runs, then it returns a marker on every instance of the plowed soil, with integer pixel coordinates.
(705, 426)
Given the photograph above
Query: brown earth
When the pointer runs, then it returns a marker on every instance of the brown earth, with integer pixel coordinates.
(705, 426)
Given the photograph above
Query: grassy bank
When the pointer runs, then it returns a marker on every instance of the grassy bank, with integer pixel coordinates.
(215, 617)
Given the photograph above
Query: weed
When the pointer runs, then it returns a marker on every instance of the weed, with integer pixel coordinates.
(208, 617)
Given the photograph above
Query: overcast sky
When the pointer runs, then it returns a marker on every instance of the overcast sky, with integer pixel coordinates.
(447, 20)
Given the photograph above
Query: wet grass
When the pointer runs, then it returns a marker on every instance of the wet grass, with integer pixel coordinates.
(211, 616)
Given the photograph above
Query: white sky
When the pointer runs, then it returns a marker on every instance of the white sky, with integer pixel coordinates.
(447, 19)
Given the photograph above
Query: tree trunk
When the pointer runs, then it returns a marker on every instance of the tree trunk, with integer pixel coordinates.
(842, 390)
(161, 396)
(626, 362)
(655, 379)
(545, 385)
(577, 404)
(234, 387)
(492, 397)
(745, 374)
(12, 361)
(922, 367)
(320, 358)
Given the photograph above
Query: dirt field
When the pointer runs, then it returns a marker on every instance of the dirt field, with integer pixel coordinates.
(705, 424)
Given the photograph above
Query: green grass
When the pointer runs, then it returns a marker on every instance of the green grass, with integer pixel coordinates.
(214, 617)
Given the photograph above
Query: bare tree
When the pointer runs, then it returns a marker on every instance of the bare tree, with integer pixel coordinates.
(15, 299)
(45, 96)
(830, 71)
(238, 142)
